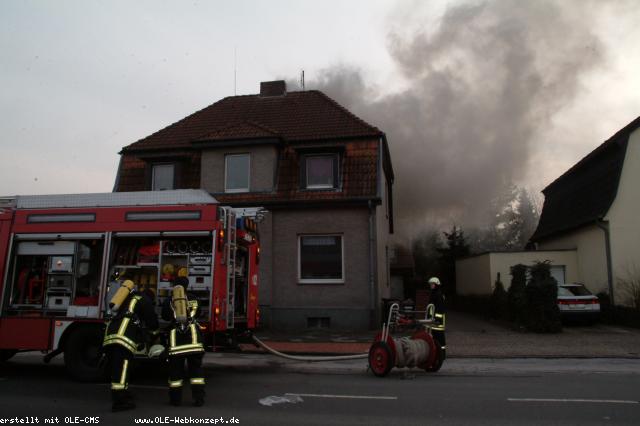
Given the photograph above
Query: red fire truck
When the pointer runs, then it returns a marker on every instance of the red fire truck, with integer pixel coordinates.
(60, 253)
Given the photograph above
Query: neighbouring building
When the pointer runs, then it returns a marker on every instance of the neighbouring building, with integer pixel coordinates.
(593, 208)
(324, 175)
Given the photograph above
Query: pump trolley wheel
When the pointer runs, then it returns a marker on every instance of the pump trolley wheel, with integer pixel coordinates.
(380, 359)
(437, 363)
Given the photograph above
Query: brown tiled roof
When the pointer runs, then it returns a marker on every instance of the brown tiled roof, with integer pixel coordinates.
(238, 130)
(585, 192)
(297, 116)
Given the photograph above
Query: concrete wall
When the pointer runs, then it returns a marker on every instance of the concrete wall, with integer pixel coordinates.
(262, 163)
(477, 275)
(383, 245)
(265, 230)
(623, 221)
(589, 243)
(292, 302)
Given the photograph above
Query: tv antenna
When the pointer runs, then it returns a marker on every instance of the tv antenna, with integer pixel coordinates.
(302, 80)
(235, 70)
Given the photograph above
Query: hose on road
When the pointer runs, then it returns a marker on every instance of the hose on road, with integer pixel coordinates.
(308, 358)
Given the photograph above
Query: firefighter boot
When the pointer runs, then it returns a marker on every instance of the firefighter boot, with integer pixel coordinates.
(175, 396)
(197, 392)
(121, 401)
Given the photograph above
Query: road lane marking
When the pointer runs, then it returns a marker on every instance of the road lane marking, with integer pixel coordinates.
(315, 395)
(597, 401)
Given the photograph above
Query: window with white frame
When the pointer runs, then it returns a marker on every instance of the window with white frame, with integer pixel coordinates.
(162, 177)
(320, 259)
(236, 175)
(321, 171)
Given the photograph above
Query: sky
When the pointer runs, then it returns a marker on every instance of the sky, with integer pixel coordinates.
(471, 94)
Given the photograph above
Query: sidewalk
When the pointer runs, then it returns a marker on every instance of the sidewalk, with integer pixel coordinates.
(471, 337)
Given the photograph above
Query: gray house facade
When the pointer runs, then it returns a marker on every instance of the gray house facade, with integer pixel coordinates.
(324, 177)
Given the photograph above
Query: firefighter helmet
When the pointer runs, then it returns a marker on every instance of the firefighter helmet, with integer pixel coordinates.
(434, 280)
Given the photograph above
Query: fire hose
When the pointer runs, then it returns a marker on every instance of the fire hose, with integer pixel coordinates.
(308, 358)
(411, 352)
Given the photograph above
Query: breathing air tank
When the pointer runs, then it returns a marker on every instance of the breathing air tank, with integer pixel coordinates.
(179, 303)
(121, 295)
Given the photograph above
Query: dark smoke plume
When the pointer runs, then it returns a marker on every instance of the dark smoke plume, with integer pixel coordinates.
(481, 88)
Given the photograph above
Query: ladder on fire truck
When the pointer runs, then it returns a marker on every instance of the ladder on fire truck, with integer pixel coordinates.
(230, 256)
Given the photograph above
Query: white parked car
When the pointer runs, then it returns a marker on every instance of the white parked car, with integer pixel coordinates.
(576, 301)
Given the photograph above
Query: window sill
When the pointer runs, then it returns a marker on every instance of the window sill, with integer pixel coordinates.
(235, 191)
(321, 189)
(319, 281)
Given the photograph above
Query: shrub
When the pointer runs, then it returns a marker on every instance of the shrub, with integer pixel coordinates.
(543, 315)
(516, 297)
(499, 301)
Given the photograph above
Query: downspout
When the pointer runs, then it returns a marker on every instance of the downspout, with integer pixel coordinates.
(372, 281)
(604, 225)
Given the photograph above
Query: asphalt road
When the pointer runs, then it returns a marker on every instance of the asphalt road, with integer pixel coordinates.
(465, 392)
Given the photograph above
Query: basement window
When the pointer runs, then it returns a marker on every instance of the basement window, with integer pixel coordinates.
(318, 322)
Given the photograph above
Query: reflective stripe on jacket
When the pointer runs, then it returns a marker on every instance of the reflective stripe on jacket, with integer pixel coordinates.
(122, 330)
(185, 342)
(439, 322)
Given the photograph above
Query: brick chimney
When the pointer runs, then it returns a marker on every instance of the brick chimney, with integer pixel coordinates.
(273, 88)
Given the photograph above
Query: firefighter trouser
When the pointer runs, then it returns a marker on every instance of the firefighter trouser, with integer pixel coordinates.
(120, 360)
(176, 374)
(438, 333)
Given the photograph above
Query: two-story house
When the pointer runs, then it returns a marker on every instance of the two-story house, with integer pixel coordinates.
(325, 177)
(593, 209)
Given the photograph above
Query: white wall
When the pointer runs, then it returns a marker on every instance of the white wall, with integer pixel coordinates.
(502, 263)
(473, 275)
(624, 223)
(589, 243)
(477, 275)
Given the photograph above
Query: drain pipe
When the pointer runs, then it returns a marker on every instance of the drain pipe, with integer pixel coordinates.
(604, 225)
(372, 281)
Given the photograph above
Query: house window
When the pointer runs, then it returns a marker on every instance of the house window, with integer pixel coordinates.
(321, 171)
(162, 177)
(320, 259)
(236, 177)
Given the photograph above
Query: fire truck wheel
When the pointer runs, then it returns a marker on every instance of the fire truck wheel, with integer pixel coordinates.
(82, 355)
(438, 362)
(380, 359)
(6, 354)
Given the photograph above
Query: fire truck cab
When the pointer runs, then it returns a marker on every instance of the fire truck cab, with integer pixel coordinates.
(60, 254)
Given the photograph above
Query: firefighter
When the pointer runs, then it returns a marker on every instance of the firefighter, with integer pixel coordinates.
(131, 316)
(437, 299)
(185, 343)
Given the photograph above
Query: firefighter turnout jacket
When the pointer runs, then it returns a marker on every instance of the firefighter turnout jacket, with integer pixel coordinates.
(128, 327)
(184, 339)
